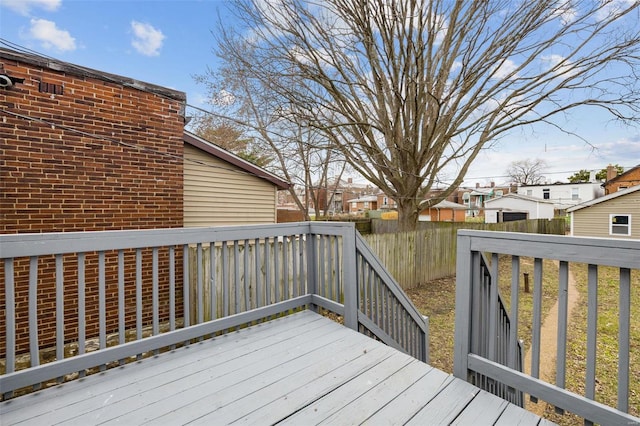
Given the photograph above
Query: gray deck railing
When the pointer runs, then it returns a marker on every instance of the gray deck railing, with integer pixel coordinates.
(477, 355)
(81, 301)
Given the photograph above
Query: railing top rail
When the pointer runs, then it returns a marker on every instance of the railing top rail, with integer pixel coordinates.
(623, 253)
(38, 244)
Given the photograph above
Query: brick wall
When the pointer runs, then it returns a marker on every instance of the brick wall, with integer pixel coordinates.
(56, 176)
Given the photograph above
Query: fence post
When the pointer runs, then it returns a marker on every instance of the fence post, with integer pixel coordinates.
(462, 336)
(350, 278)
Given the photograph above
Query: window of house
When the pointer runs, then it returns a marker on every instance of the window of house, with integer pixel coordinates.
(366, 204)
(465, 198)
(385, 201)
(620, 224)
(499, 193)
(575, 193)
(620, 188)
(546, 193)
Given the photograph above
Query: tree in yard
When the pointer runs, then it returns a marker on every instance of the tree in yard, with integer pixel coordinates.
(584, 175)
(410, 91)
(231, 138)
(526, 172)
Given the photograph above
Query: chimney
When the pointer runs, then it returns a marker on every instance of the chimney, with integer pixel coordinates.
(592, 175)
(350, 180)
(611, 172)
(493, 184)
(477, 184)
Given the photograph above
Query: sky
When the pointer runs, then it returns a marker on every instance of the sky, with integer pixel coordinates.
(168, 42)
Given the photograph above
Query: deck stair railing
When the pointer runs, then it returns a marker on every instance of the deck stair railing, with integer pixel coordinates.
(479, 345)
(78, 302)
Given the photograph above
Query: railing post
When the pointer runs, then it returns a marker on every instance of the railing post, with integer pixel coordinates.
(350, 278)
(312, 266)
(462, 337)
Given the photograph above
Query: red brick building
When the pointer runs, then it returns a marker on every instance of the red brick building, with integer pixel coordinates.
(84, 150)
(615, 182)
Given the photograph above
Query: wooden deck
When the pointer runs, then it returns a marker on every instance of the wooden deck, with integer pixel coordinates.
(300, 369)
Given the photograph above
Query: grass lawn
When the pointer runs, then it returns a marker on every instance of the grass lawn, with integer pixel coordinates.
(436, 299)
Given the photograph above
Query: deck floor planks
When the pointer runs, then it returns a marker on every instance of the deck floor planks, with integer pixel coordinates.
(162, 397)
(301, 369)
(179, 362)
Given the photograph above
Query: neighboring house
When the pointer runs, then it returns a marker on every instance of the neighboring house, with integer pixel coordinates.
(474, 198)
(622, 181)
(363, 204)
(385, 202)
(616, 215)
(444, 211)
(511, 207)
(564, 195)
(221, 188)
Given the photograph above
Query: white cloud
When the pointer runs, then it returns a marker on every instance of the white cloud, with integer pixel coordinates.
(147, 40)
(504, 69)
(51, 36)
(609, 8)
(559, 65)
(24, 7)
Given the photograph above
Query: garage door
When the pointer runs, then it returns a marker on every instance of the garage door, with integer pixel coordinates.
(511, 216)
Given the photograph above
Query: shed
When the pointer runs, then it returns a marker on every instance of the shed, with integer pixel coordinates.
(444, 211)
(616, 215)
(513, 206)
(220, 188)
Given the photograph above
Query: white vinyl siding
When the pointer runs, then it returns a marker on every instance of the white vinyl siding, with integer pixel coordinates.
(218, 193)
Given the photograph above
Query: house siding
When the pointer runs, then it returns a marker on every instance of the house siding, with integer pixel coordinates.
(534, 209)
(218, 193)
(593, 221)
(625, 180)
(99, 156)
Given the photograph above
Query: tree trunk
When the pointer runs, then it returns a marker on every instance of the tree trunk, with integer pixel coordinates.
(407, 217)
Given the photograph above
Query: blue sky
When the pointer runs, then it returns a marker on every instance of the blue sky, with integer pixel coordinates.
(166, 42)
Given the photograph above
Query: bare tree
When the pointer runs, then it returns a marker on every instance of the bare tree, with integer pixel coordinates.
(527, 172)
(410, 91)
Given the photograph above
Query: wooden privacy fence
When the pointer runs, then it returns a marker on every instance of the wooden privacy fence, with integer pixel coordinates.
(430, 253)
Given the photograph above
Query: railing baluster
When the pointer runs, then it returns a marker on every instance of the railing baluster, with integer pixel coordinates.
(213, 286)
(59, 309)
(246, 280)
(81, 307)
(155, 308)
(301, 262)
(321, 263)
(102, 304)
(121, 300)
(592, 330)
(624, 332)
(294, 265)
(139, 294)
(33, 312)
(285, 267)
(186, 302)
(10, 317)
(515, 291)
(199, 285)
(172, 288)
(225, 280)
(276, 268)
(267, 271)
(563, 302)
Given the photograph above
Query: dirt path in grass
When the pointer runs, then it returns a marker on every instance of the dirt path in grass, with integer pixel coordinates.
(549, 343)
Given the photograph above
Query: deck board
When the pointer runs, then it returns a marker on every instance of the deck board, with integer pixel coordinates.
(300, 369)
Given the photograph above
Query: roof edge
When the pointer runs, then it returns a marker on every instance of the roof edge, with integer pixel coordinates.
(231, 158)
(604, 198)
(81, 71)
